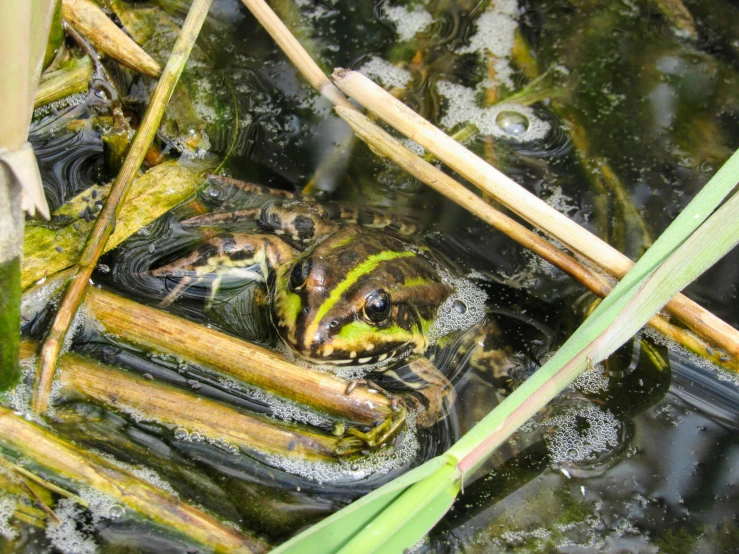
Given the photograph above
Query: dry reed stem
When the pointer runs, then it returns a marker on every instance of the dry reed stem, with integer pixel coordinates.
(72, 77)
(293, 50)
(516, 198)
(107, 37)
(384, 144)
(257, 366)
(90, 470)
(106, 221)
(171, 406)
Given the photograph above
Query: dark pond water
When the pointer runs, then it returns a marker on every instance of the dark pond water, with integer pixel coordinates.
(606, 110)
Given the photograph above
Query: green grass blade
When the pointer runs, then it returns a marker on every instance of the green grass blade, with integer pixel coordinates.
(395, 517)
(331, 534)
(571, 359)
(701, 250)
(408, 519)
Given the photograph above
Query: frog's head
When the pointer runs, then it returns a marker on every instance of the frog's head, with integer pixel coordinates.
(358, 297)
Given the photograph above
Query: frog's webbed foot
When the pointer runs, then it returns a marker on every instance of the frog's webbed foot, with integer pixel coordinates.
(356, 441)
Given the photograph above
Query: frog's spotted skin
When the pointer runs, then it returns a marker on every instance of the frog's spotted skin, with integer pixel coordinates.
(345, 290)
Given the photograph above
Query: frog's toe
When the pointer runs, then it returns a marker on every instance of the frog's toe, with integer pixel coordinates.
(357, 441)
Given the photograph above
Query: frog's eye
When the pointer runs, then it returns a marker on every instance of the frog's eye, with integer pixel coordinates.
(377, 307)
(299, 274)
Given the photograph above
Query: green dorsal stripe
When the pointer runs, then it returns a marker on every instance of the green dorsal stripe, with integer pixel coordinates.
(352, 277)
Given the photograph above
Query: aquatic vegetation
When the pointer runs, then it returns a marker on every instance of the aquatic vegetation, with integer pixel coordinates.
(615, 115)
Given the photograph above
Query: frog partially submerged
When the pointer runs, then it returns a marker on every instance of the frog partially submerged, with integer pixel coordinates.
(346, 287)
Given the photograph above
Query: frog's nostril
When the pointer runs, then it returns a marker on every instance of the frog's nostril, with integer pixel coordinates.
(306, 311)
(334, 323)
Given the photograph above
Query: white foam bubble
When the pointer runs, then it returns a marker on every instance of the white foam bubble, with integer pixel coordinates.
(101, 505)
(66, 536)
(495, 36)
(385, 72)
(462, 108)
(592, 381)
(7, 508)
(281, 408)
(414, 147)
(142, 472)
(570, 442)
(464, 308)
(408, 23)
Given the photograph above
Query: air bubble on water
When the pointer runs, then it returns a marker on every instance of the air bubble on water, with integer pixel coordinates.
(233, 449)
(459, 307)
(181, 434)
(592, 381)
(572, 443)
(196, 437)
(408, 23)
(66, 537)
(450, 316)
(116, 511)
(414, 147)
(385, 72)
(462, 108)
(513, 123)
(99, 504)
(379, 462)
(213, 191)
(7, 509)
(282, 408)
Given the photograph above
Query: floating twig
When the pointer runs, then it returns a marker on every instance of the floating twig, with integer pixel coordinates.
(32, 493)
(90, 470)
(107, 37)
(106, 221)
(254, 365)
(168, 405)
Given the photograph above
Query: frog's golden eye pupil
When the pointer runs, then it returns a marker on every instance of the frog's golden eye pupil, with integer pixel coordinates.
(299, 274)
(377, 307)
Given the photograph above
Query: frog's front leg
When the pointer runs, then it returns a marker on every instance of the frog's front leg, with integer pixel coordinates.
(226, 254)
(430, 393)
(422, 387)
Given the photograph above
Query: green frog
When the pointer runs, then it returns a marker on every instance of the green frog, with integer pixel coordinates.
(346, 286)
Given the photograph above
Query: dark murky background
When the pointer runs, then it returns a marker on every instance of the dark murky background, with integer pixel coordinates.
(613, 115)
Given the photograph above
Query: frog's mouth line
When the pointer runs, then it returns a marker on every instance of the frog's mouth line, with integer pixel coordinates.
(361, 361)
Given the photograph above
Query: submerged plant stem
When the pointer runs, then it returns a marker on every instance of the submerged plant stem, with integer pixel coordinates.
(169, 405)
(105, 223)
(89, 470)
